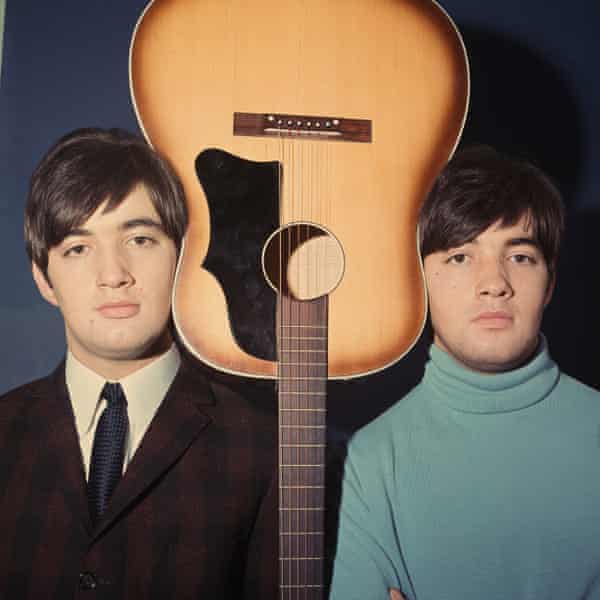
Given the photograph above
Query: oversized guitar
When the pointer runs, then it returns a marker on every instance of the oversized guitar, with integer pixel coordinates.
(306, 133)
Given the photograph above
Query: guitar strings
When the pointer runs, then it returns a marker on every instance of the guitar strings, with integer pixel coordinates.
(303, 199)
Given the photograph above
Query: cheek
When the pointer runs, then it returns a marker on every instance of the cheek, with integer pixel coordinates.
(157, 284)
(447, 298)
(78, 314)
(536, 302)
(441, 303)
(534, 294)
(442, 285)
(443, 312)
(73, 284)
(71, 301)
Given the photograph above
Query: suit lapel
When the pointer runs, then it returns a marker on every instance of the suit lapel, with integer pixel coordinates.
(59, 437)
(177, 423)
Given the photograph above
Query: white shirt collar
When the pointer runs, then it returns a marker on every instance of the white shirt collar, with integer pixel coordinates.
(144, 390)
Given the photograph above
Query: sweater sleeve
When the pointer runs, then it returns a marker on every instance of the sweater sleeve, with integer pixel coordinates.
(368, 559)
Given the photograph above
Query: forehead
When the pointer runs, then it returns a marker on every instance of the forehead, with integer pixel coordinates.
(501, 234)
(136, 205)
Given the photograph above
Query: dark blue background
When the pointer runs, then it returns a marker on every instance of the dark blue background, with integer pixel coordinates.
(535, 91)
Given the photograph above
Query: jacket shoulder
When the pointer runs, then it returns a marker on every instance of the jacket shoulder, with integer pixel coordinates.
(37, 387)
(233, 398)
(20, 401)
(242, 415)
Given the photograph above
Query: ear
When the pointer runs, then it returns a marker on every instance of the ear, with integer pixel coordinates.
(550, 289)
(43, 285)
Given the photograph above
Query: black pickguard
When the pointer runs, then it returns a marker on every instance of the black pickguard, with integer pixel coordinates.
(243, 201)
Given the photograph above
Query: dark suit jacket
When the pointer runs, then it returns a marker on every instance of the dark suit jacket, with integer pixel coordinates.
(195, 515)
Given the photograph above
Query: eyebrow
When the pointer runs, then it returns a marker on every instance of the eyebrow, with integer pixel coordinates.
(130, 224)
(141, 222)
(523, 241)
(517, 241)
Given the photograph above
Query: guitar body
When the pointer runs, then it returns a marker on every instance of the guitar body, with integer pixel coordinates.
(396, 66)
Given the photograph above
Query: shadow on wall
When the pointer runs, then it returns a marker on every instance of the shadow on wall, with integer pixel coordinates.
(522, 105)
(572, 320)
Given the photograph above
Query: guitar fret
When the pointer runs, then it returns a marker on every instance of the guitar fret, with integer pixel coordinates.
(302, 426)
(304, 409)
(302, 445)
(294, 442)
(300, 558)
(305, 378)
(302, 350)
(293, 418)
(293, 457)
(307, 326)
(307, 508)
(302, 487)
(308, 475)
(302, 533)
(293, 520)
(301, 494)
(301, 337)
(301, 585)
(301, 393)
(302, 364)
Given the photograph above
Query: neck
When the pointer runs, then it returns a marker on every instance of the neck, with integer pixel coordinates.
(117, 367)
(488, 367)
(467, 390)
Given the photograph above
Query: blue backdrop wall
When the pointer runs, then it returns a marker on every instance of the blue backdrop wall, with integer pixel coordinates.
(535, 91)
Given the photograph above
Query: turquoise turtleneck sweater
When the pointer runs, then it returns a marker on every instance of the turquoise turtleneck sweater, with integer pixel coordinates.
(475, 487)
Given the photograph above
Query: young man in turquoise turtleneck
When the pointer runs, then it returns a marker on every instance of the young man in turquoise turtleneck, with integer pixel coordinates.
(483, 483)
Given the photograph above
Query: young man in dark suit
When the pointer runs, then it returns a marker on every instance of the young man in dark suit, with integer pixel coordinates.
(126, 473)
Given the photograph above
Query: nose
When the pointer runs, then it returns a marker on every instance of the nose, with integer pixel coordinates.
(494, 281)
(113, 270)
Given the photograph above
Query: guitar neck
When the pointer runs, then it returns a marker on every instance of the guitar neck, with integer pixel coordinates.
(302, 354)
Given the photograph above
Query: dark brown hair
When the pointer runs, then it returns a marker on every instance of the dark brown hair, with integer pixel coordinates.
(480, 187)
(86, 168)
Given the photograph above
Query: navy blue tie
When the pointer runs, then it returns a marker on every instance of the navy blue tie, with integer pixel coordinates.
(108, 451)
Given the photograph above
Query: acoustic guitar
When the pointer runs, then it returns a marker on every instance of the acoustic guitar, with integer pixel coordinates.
(306, 134)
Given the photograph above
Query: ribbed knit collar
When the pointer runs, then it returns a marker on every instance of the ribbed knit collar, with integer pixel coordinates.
(469, 391)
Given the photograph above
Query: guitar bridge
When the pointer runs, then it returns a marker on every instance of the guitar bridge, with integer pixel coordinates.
(302, 126)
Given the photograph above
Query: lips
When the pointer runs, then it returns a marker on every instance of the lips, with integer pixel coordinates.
(496, 319)
(119, 310)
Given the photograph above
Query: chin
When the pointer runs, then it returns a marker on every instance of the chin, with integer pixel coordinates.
(132, 343)
(131, 349)
(498, 361)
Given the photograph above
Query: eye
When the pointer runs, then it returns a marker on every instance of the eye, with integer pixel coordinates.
(457, 259)
(77, 250)
(142, 241)
(523, 259)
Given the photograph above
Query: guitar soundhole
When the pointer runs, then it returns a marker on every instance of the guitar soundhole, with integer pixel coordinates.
(303, 261)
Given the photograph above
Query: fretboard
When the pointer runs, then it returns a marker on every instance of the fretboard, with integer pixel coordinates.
(302, 355)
